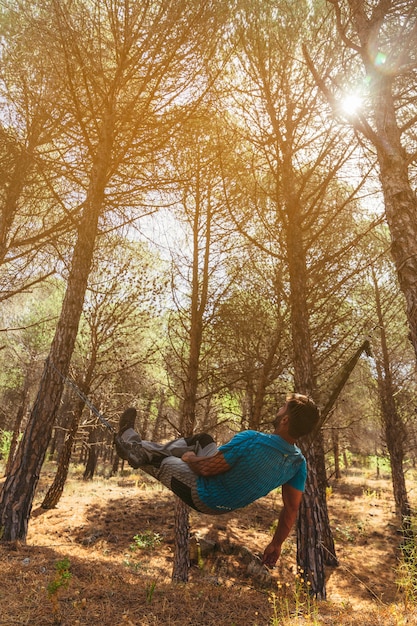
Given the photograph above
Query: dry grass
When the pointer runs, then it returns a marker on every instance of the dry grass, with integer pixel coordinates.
(113, 583)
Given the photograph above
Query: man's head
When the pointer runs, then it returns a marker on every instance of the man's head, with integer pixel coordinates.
(299, 415)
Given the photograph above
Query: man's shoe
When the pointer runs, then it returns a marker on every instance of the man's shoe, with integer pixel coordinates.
(127, 420)
(133, 452)
(128, 445)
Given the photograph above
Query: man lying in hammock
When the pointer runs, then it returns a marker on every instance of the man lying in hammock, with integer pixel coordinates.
(218, 480)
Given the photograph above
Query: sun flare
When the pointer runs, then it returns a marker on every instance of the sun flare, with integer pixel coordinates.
(351, 103)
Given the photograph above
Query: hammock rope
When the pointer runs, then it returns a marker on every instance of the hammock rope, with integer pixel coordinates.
(85, 399)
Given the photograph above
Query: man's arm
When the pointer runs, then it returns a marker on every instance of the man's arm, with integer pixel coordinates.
(292, 499)
(206, 465)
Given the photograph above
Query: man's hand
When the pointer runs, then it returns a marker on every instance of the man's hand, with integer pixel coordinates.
(189, 456)
(291, 498)
(206, 465)
(271, 554)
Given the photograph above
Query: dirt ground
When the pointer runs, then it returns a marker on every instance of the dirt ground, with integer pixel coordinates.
(106, 578)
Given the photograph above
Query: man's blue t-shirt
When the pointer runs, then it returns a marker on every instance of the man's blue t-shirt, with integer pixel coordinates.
(258, 464)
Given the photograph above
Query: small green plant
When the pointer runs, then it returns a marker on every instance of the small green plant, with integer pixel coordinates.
(135, 566)
(147, 540)
(150, 591)
(61, 580)
(346, 533)
(362, 528)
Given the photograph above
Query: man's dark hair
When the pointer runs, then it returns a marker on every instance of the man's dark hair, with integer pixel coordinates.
(303, 415)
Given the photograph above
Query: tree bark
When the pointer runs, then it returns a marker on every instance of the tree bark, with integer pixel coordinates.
(92, 456)
(400, 202)
(311, 555)
(182, 535)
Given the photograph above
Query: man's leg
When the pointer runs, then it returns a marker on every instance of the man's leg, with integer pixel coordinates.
(140, 452)
(163, 461)
(201, 444)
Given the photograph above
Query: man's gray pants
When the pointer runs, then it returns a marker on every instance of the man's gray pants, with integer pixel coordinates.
(165, 464)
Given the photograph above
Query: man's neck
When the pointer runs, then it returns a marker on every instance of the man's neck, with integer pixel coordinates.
(285, 436)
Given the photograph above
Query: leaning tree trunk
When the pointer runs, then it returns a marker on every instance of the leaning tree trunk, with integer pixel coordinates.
(334, 390)
(55, 491)
(394, 432)
(19, 489)
(315, 544)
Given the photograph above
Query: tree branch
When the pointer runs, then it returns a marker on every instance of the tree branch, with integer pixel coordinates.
(359, 123)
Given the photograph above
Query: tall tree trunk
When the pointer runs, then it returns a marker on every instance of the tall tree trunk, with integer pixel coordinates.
(400, 198)
(313, 527)
(399, 195)
(56, 489)
(199, 295)
(19, 489)
(393, 424)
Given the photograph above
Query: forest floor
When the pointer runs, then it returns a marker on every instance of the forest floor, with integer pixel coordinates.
(113, 540)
